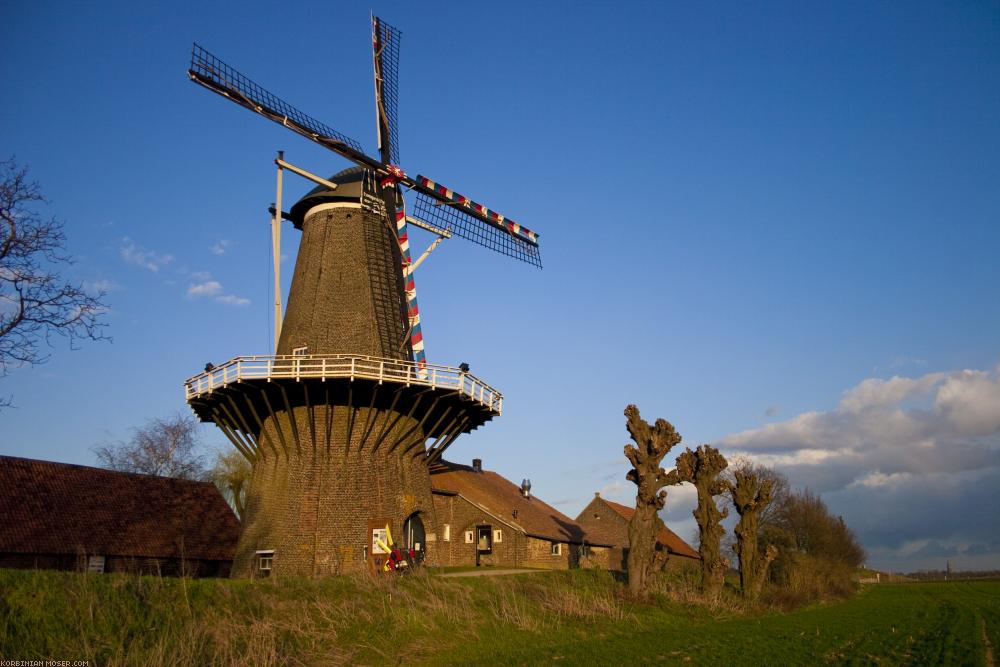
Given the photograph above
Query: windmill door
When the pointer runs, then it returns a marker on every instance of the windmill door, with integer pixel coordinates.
(413, 533)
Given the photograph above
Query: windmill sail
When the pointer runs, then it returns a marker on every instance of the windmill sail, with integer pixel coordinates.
(217, 76)
(446, 209)
(436, 203)
(385, 54)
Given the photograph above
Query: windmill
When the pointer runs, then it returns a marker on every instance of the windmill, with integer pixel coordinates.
(342, 423)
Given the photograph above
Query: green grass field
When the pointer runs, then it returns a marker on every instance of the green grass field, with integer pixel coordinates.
(574, 617)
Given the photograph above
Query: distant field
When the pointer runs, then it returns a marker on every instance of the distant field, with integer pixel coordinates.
(897, 624)
(573, 617)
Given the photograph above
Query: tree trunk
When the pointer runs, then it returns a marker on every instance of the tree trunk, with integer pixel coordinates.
(751, 496)
(701, 468)
(643, 558)
(652, 444)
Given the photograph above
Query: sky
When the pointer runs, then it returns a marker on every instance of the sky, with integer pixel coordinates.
(774, 225)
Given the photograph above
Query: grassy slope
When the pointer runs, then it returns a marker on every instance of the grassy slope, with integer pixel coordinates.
(581, 617)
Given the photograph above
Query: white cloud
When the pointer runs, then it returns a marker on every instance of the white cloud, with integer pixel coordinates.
(147, 259)
(207, 288)
(971, 402)
(875, 393)
(213, 289)
(220, 247)
(233, 300)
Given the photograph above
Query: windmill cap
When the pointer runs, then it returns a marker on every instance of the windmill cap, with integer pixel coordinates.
(349, 186)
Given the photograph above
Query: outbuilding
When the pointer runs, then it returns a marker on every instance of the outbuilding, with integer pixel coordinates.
(485, 519)
(607, 521)
(71, 517)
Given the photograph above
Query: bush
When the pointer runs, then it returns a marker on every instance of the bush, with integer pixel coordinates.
(799, 579)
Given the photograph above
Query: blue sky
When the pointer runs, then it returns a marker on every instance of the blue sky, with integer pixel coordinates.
(752, 219)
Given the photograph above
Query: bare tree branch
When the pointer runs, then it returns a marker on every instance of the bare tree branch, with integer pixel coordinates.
(165, 447)
(36, 303)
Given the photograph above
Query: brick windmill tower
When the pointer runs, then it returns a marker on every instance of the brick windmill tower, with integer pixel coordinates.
(341, 424)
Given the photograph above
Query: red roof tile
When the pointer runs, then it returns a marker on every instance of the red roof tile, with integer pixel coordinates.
(57, 508)
(501, 497)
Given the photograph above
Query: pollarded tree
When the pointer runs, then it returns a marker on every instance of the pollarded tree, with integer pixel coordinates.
(702, 468)
(651, 444)
(35, 301)
(751, 494)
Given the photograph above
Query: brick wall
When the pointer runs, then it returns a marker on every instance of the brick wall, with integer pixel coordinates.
(346, 295)
(312, 508)
(462, 516)
(540, 554)
(515, 550)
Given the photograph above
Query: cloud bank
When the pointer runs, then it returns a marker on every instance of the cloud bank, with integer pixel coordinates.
(913, 465)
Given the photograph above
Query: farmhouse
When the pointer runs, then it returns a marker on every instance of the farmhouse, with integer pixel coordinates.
(64, 517)
(485, 519)
(606, 521)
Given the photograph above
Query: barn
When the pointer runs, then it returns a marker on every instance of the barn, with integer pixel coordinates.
(607, 521)
(485, 519)
(70, 517)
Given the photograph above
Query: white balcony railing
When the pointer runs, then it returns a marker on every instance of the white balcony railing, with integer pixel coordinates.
(340, 366)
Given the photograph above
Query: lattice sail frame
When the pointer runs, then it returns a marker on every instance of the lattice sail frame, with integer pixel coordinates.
(217, 76)
(211, 72)
(385, 56)
(502, 235)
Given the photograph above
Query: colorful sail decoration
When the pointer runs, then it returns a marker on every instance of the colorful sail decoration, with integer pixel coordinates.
(410, 290)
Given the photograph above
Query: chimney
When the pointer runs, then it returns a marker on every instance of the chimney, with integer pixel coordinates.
(477, 465)
(526, 488)
(597, 494)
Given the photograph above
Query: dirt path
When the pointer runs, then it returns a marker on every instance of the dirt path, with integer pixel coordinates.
(487, 573)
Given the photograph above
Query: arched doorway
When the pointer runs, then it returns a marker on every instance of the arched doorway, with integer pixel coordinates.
(413, 534)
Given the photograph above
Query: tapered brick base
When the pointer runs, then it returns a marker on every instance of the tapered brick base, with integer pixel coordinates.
(312, 508)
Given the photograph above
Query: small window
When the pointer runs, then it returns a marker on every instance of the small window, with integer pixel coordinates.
(265, 559)
(556, 549)
(498, 535)
(446, 533)
(95, 564)
(470, 537)
(585, 551)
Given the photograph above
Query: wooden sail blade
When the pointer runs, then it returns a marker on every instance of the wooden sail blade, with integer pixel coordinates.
(385, 54)
(217, 76)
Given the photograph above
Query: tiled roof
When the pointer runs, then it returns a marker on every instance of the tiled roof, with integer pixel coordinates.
(668, 538)
(57, 508)
(501, 497)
